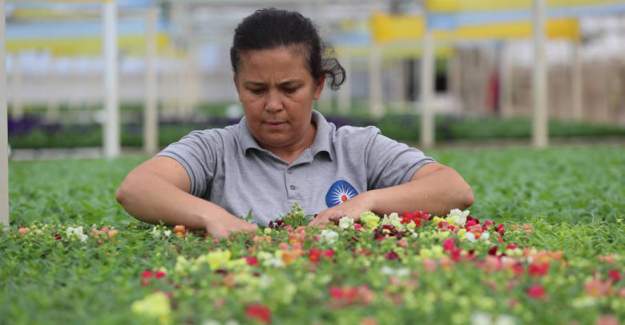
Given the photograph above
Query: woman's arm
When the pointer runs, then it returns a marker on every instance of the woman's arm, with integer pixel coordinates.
(434, 188)
(158, 190)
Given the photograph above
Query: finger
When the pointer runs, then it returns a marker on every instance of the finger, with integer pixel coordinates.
(319, 219)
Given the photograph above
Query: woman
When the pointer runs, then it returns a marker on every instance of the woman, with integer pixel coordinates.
(282, 151)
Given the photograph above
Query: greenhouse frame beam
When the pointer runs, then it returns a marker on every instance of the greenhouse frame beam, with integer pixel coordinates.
(150, 111)
(4, 145)
(111, 86)
(540, 132)
(426, 91)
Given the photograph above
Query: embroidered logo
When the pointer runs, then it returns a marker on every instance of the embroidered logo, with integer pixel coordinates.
(340, 192)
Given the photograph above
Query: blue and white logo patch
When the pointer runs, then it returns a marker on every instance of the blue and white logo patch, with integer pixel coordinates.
(340, 192)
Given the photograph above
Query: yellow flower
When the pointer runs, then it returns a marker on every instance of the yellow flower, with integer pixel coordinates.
(370, 220)
(461, 233)
(218, 259)
(154, 306)
(437, 220)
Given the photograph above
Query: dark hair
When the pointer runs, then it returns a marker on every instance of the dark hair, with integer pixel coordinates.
(270, 28)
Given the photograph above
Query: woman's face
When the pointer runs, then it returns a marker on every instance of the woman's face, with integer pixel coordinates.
(277, 92)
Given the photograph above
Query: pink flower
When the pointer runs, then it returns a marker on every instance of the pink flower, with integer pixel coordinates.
(598, 288)
(258, 312)
(536, 291)
(607, 320)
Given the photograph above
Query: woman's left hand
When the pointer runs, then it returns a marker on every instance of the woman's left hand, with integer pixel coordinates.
(351, 208)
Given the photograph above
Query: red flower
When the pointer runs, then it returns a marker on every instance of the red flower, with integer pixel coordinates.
(493, 251)
(501, 229)
(145, 277)
(536, 291)
(314, 254)
(512, 246)
(517, 268)
(538, 269)
(417, 217)
(391, 256)
(487, 224)
(357, 227)
(343, 296)
(471, 222)
(614, 275)
(449, 244)
(258, 312)
(251, 260)
(329, 253)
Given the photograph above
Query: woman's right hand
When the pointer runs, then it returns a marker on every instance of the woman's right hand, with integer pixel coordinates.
(222, 226)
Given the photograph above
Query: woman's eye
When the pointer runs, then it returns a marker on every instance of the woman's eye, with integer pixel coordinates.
(290, 90)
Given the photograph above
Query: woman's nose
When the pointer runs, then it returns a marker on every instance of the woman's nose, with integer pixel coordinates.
(274, 101)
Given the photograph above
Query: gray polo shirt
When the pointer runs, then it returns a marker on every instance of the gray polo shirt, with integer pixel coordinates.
(228, 167)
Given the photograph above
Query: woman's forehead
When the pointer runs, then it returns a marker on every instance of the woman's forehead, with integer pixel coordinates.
(282, 60)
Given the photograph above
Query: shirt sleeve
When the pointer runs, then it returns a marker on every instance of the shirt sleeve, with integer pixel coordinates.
(198, 152)
(391, 163)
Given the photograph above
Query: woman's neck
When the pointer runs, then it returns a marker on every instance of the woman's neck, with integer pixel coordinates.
(292, 152)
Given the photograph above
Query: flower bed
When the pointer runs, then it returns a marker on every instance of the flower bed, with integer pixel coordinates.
(404, 268)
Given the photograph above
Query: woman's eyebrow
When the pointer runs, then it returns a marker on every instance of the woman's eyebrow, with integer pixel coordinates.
(254, 84)
(292, 82)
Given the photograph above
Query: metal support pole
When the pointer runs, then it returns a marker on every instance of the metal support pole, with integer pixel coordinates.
(345, 93)
(375, 82)
(427, 74)
(150, 117)
(577, 79)
(540, 135)
(111, 123)
(4, 138)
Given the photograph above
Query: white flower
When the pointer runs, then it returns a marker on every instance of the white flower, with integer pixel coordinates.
(328, 236)
(167, 233)
(469, 236)
(400, 272)
(76, 233)
(480, 318)
(394, 220)
(505, 320)
(485, 236)
(346, 223)
(156, 232)
(457, 217)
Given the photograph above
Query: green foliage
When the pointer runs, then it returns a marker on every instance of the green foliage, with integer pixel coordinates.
(572, 197)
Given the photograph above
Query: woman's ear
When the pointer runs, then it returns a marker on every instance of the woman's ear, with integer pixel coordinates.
(319, 87)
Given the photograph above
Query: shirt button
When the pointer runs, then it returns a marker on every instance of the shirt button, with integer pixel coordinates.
(292, 187)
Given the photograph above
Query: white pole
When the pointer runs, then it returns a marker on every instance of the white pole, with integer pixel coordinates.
(18, 106)
(540, 133)
(375, 82)
(505, 99)
(4, 138)
(150, 118)
(578, 95)
(426, 93)
(345, 93)
(111, 124)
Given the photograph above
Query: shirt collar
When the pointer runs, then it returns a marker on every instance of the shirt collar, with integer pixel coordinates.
(322, 142)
